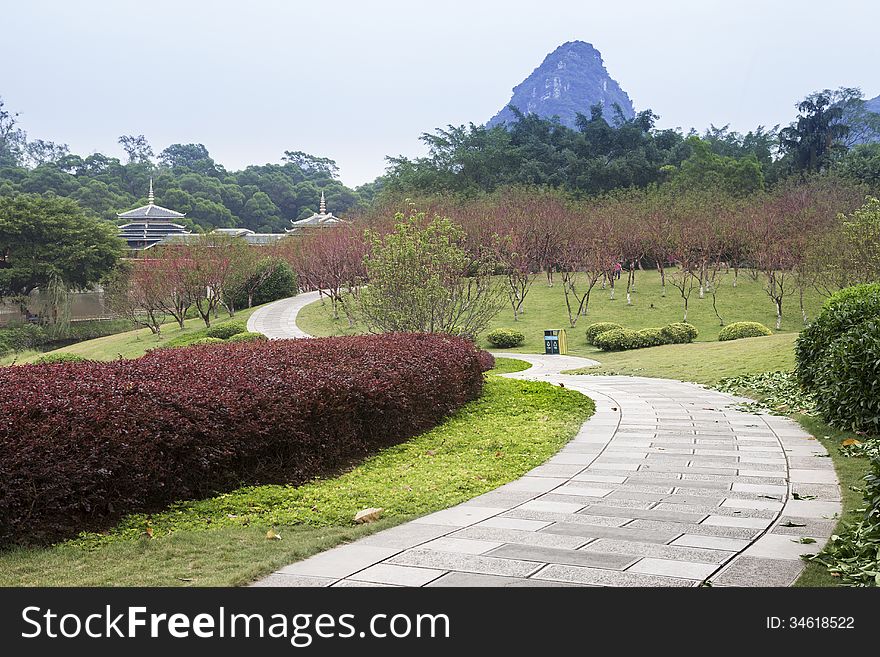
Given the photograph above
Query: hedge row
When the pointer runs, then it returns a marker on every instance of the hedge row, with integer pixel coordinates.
(83, 443)
(505, 338)
(739, 330)
(620, 339)
(838, 359)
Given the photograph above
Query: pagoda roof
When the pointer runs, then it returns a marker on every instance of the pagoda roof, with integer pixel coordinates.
(152, 212)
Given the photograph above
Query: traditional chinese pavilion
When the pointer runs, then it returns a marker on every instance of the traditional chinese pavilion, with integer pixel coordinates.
(320, 219)
(149, 224)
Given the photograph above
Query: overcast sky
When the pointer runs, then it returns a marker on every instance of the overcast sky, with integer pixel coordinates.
(357, 80)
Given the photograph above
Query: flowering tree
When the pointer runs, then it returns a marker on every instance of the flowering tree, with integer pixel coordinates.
(330, 260)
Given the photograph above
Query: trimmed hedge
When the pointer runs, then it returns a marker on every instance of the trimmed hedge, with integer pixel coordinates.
(594, 330)
(619, 340)
(505, 338)
(487, 360)
(842, 311)
(226, 329)
(247, 336)
(679, 333)
(652, 337)
(739, 330)
(198, 341)
(847, 386)
(61, 357)
(83, 443)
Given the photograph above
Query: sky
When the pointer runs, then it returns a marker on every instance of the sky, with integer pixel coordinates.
(357, 80)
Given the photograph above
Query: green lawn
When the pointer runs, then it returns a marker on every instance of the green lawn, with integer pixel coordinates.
(545, 309)
(700, 362)
(513, 427)
(131, 344)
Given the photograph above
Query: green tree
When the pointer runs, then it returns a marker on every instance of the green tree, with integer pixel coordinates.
(45, 239)
(423, 279)
(137, 148)
(862, 164)
(812, 141)
(704, 170)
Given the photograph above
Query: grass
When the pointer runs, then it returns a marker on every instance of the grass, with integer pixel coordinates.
(131, 344)
(545, 309)
(850, 473)
(513, 427)
(700, 362)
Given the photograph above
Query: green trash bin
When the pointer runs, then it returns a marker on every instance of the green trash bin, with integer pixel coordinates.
(554, 341)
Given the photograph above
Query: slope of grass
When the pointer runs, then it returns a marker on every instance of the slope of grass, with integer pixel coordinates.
(132, 344)
(513, 427)
(545, 309)
(700, 362)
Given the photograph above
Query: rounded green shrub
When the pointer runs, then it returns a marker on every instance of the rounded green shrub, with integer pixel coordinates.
(281, 284)
(61, 357)
(247, 336)
(599, 327)
(653, 337)
(679, 333)
(619, 340)
(739, 330)
(505, 338)
(226, 329)
(842, 311)
(205, 341)
(847, 384)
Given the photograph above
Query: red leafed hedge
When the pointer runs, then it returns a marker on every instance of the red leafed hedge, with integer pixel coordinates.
(83, 443)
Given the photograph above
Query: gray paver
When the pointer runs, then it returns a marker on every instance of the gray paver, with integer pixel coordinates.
(678, 552)
(673, 568)
(614, 561)
(384, 573)
(600, 577)
(469, 563)
(751, 571)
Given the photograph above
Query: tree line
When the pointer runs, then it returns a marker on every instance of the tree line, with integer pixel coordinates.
(263, 198)
(819, 233)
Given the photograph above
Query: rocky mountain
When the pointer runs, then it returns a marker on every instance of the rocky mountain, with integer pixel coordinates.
(873, 105)
(569, 80)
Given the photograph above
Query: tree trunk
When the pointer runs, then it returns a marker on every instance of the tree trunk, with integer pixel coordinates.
(778, 313)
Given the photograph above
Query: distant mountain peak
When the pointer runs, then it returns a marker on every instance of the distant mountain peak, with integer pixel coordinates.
(569, 80)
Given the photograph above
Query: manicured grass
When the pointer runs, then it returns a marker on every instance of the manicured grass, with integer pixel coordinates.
(132, 344)
(229, 556)
(513, 427)
(850, 474)
(700, 362)
(545, 309)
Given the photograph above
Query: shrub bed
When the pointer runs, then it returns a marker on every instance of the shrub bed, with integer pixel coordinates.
(83, 443)
(679, 333)
(842, 311)
(652, 337)
(505, 338)
(739, 330)
(61, 357)
(593, 330)
(247, 336)
(226, 329)
(619, 340)
(847, 385)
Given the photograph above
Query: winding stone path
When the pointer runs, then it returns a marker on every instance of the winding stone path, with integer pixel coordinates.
(278, 319)
(668, 484)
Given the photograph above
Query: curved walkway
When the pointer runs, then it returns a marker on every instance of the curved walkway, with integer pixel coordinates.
(666, 485)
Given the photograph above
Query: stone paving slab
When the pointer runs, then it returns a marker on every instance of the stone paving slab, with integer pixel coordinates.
(664, 485)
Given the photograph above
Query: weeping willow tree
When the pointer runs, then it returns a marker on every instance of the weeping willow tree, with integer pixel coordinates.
(58, 301)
